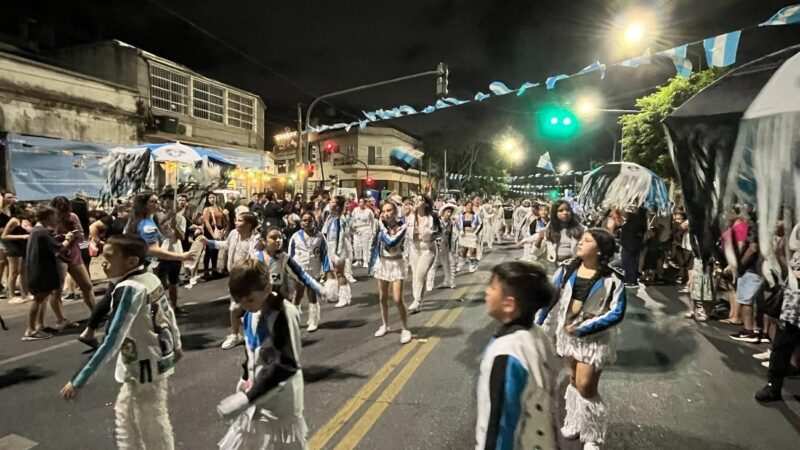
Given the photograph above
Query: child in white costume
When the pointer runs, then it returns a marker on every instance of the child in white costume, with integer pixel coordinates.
(591, 303)
(469, 227)
(448, 245)
(422, 230)
(363, 224)
(336, 231)
(308, 248)
(268, 403)
(144, 337)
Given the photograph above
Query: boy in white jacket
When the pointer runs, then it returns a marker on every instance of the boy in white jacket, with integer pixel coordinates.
(144, 337)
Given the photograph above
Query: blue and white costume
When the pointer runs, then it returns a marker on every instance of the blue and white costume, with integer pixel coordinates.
(144, 337)
(517, 404)
(336, 231)
(363, 224)
(468, 239)
(595, 319)
(311, 254)
(388, 248)
(269, 397)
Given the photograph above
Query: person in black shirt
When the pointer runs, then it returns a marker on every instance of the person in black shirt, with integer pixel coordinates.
(273, 213)
(632, 240)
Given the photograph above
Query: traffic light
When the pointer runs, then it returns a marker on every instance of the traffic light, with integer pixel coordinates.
(313, 154)
(557, 122)
(441, 80)
(554, 195)
(369, 182)
(310, 170)
(330, 147)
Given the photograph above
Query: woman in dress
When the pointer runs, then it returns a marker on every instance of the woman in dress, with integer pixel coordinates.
(68, 222)
(590, 304)
(15, 240)
(336, 232)
(469, 227)
(388, 267)
(422, 229)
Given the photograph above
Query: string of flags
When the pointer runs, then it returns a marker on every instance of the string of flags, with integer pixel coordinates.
(720, 51)
(512, 179)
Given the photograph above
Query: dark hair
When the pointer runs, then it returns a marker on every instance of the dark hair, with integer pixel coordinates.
(270, 196)
(427, 205)
(250, 219)
(130, 245)
(44, 213)
(573, 227)
(138, 211)
(247, 277)
(606, 247)
(528, 284)
(340, 201)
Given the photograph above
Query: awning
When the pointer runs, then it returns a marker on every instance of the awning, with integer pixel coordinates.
(42, 168)
(211, 154)
(248, 159)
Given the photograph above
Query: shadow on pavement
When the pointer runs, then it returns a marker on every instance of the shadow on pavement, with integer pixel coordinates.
(627, 436)
(314, 374)
(21, 375)
(198, 341)
(735, 355)
(211, 314)
(342, 324)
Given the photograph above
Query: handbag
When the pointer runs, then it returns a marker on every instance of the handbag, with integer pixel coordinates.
(218, 233)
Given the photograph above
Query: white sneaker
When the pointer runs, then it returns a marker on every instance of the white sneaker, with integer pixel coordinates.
(381, 331)
(405, 337)
(313, 317)
(569, 435)
(232, 340)
(765, 364)
(591, 446)
(414, 307)
(18, 300)
(351, 279)
(763, 356)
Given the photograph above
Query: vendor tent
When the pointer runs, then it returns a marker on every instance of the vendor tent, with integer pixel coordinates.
(702, 133)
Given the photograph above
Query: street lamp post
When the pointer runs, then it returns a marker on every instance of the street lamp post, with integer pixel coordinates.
(439, 71)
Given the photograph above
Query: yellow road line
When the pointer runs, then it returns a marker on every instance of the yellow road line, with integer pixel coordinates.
(324, 434)
(366, 422)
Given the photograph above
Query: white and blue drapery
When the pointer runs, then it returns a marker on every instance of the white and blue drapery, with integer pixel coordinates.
(42, 168)
(404, 157)
(622, 185)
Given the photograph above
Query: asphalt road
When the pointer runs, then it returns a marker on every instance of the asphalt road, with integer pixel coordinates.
(677, 385)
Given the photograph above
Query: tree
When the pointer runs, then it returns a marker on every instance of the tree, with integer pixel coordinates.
(643, 139)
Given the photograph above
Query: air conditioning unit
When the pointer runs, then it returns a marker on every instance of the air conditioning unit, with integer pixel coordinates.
(167, 124)
(184, 129)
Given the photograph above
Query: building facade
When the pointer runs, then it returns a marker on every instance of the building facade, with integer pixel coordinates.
(360, 154)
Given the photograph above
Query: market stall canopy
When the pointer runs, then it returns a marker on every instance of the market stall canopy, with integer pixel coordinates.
(42, 168)
(621, 185)
(701, 135)
(765, 166)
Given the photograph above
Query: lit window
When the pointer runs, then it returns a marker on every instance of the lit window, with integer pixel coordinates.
(169, 90)
(208, 101)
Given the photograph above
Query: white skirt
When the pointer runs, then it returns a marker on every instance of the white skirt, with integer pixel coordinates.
(390, 269)
(258, 429)
(468, 240)
(598, 351)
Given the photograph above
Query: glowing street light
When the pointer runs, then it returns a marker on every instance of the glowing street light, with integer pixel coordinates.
(511, 149)
(564, 167)
(634, 33)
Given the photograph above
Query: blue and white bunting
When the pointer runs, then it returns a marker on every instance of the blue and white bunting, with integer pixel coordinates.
(525, 86)
(786, 16)
(499, 88)
(637, 61)
(545, 163)
(683, 66)
(550, 83)
(595, 66)
(480, 96)
(721, 50)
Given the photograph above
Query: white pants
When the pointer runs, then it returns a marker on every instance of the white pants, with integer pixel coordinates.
(448, 259)
(421, 261)
(142, 417)
(362, 244)
(431, 281)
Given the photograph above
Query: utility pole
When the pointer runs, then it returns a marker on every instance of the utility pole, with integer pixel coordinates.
(300, 156)
(445, 170)
(440, 71)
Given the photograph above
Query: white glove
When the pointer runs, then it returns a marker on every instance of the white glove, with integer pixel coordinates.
(232, 403)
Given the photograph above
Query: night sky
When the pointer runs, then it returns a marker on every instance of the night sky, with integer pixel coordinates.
(301, 49)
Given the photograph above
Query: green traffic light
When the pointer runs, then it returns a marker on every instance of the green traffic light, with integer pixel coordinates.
(557, 122)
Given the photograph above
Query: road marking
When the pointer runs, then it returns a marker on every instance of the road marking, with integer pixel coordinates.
(16, 442)
(36, 352)
(324, 434)
(366, 422)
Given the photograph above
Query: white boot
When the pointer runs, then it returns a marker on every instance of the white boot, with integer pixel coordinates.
(570, 429)
(344, 296)
(414, 307)
(332, 288)
(591, 420)
(313, 317)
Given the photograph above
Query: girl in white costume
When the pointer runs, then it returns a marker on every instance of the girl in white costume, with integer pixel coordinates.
(362, 220)
(421, 231)
(448, 245)
(336, 232)
(558, 241)
(469, 226)
(387, 265)
(533, 224)
(308, 248)
(268, 402)
(591, 303)
(520, 214)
